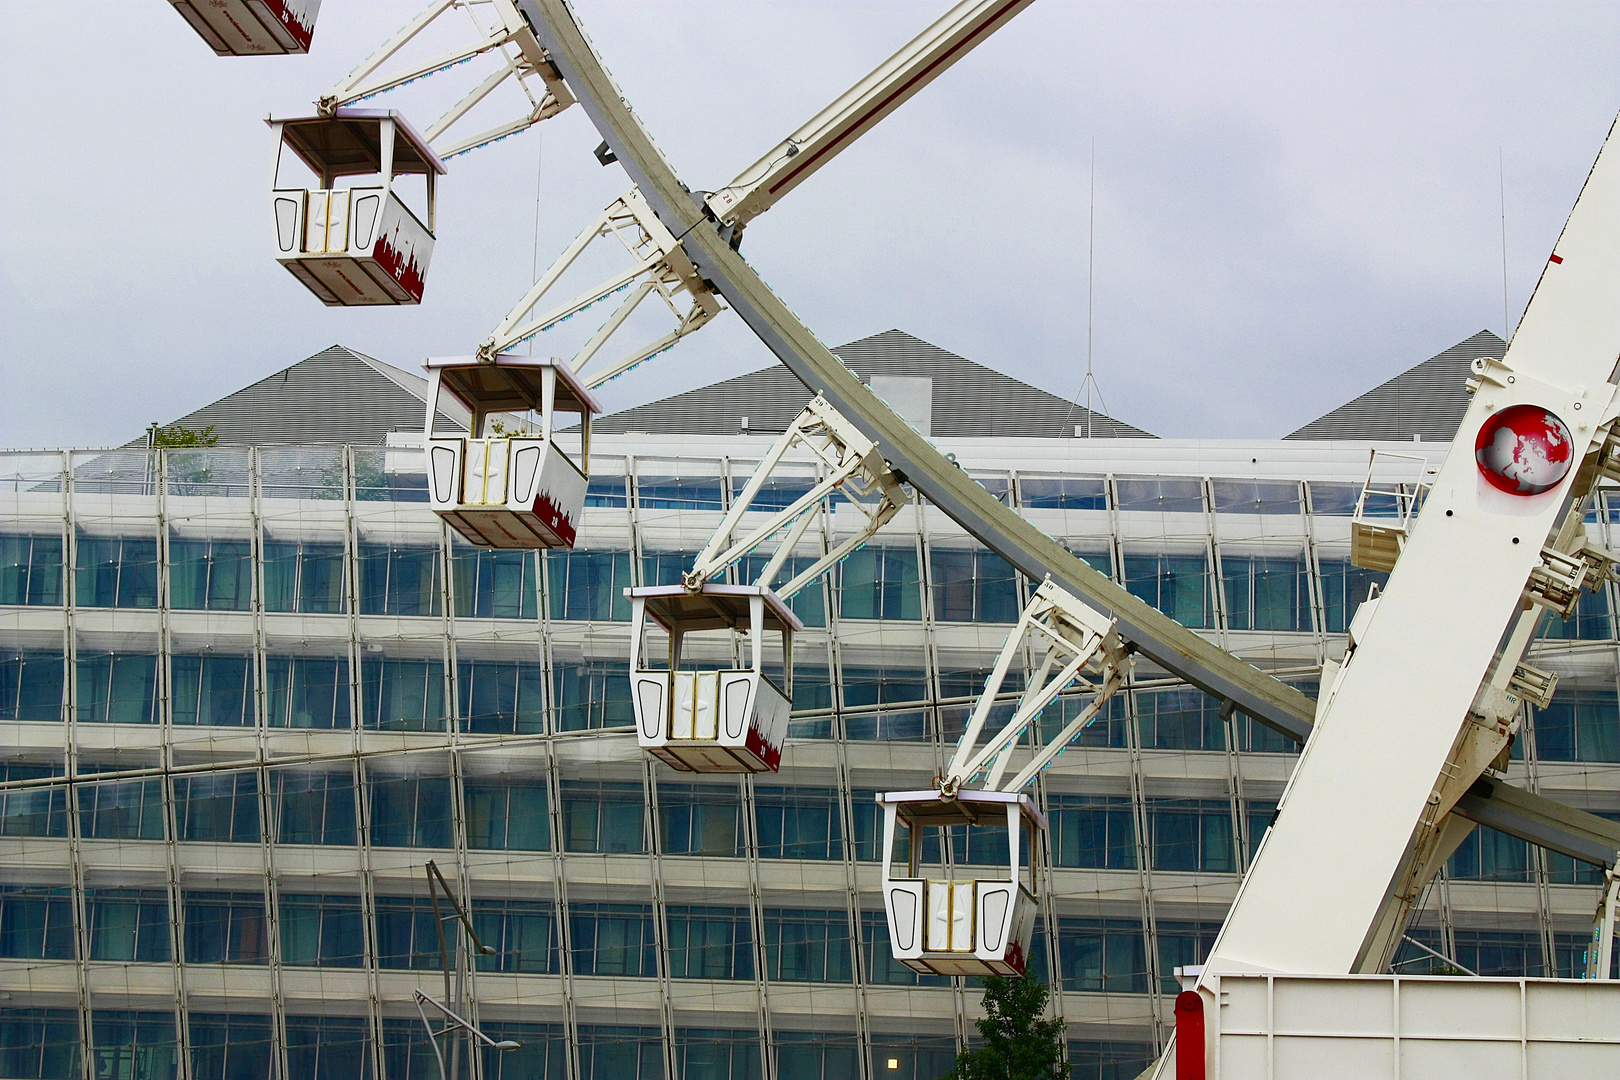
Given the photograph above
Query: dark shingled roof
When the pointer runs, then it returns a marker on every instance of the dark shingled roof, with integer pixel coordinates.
(336, 397)
(1428, 401)
(968, 399)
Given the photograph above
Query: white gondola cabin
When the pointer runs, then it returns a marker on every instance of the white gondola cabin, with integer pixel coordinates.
(356, 245)
(517, 490)
(713, 718)
(961, 925)
(252, 27)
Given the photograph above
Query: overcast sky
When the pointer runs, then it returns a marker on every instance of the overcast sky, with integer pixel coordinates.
(1293, 201)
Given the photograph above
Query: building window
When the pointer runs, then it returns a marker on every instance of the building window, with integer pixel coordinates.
(1177, 585)
(542, 1052)
(116, 572)
(709, 942)
(588, 586)
(408, 933)
(1344, 587)
(593, 694)
(1579, 725)
(32, 811)
(230, 1046)
(613, 939)
(1182, 944)
(912, 1057)
(809, 603)
(620, 1053)
(122, 810)
(1267, 593)
(129, 925)
(1109, 1060)
(717, 1054)
(807, 1055)
(314, 806)
(329, 1048)
(1260, 813)
(807, 946)
(30, 570)
(700, 819)
(1513, 954)
(974, 587)
(136, 1045)
(210, 575)
(1182, 719)
(494, 584)
(1256, 497)
(798, 823)
(321, 930)
(1192, 835)
(501, 697)
(888, 685)
(220, 808)
(307, 692)
(1160, 494)
(506, 815)
(304, 578)
(402, 695)
(1488, 855)
(877, 953)
(410, 811)
(118, 689)
(1253, 737)
(1063, 492)
(523, 934)
(607, 491)
(880, 583)
(666, 567)
(603, 817)
(212, 690)
(1108, 729)
(40, 1044)
(397, 580)
(1103, 955)
(31, 686)
(408, 1053)
(36, 923)
(679, 493)
(224, 928)
(1092, 832)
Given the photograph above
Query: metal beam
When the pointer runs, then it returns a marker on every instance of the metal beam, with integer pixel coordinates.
(1175, 648)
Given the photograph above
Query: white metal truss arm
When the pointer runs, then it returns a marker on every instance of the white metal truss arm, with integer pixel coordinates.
(509, 34)
(1076, 638)
(792, 161)
(850, 462)
(659, 262)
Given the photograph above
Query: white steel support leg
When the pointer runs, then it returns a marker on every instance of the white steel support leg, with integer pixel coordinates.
(1600, 951)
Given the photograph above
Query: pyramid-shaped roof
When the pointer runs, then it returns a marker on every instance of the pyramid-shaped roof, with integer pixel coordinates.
(1426, 402)
(336, 397)
(968, 399)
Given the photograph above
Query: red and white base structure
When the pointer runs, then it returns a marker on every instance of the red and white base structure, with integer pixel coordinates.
(727, 720)
(252, 27)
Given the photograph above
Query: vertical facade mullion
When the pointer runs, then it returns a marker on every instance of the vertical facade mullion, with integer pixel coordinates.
(70, 758)
(1144, 864)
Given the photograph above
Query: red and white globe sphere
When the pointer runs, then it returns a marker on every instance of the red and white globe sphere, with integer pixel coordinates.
(1524, 450)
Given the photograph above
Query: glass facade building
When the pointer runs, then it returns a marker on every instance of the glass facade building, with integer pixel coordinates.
(247, 694)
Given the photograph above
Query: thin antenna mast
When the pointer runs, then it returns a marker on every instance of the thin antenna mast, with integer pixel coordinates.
(1501, 192)
(1089, 384)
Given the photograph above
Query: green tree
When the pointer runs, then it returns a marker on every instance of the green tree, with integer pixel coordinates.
(177, 436)
(1018, 1043)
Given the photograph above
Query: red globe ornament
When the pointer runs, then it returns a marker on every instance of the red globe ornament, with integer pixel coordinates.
(1524, 450)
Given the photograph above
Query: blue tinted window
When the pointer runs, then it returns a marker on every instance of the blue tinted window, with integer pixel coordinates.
(122, 810)
(877, 953)
(700, 819)
(523, 934)
(117, 688)
(1579, 725)
(666, 567)
(410, 811)
(1093, 832)
(1344, 587)
(1063, 492)
(230, 1046)
(880, 583)
(724, 1054)
(1185, 718)
(588, 586)
(613, 939)
(307, 692)
(1182, 944)
(798, 823)
(495, 584)
(1177, 585)
(884, 685)
(40, 1044)
(398, 580)
(1592, 620)
(210, 575)
(221, 808)
(137, 1045)
(1256, 496)
(224, 928)
(322, 930)
(604, 818)
(710, 942)
(36, 923)
(30, 570)
(593, 694)
(1106, 955)
(807, 946)
(1191, 834)
(620, 1053)
(330, 1047)
(402, 695)
(501, 697)
(130, 925)
(1488, 855)
(304, 577)
(1161, 494)
(1089, 1060)
(212, 689)
(116, 571)
(809, 603)
(973, 586)
(1266, 593)
(38, 811)
(408, 933)
(679, 493)
(607, 491)
(314, 806)
(505, 814)
(31, 686)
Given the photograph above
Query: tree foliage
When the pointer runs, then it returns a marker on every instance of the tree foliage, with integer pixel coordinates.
(178, 436)
(1020, 1043)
